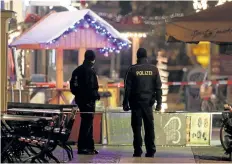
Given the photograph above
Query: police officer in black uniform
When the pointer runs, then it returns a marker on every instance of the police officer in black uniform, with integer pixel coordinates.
(142, 89)
(84, 85)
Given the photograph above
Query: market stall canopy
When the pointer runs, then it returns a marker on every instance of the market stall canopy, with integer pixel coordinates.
(59, 26)
(213, 24)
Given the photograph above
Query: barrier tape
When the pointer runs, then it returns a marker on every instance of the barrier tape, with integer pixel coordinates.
(221, 82)
(121, 85)
(101, 112)
(190, 83)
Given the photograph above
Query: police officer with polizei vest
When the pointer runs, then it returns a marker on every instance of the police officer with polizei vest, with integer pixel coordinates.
(142, 89)
(84, 85)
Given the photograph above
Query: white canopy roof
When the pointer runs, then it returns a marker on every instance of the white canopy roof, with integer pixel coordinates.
(56, 23)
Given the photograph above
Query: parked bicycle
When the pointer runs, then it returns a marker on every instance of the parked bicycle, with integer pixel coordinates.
(213, 98)
(226, 130)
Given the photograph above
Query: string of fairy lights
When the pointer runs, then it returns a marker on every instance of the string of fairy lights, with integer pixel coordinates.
(119, 44)
(155, 20)
(89, 22)
(199, 5)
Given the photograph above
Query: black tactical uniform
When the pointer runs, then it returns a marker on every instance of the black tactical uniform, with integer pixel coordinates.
(84, 86)
(142, 88)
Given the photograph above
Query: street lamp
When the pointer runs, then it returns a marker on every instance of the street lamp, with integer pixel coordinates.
(199, 5)
(221, 2)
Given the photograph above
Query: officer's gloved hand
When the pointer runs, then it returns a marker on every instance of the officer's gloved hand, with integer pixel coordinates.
(126, 107)
(98, 97)
(158, 108)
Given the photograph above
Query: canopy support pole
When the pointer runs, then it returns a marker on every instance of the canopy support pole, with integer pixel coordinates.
(59, 69)
(135, 47)
(43, 62)
(81, 55)
(5, 16)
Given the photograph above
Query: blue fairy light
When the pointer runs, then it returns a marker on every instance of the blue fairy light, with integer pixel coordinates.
(99, 29)
(72, 27)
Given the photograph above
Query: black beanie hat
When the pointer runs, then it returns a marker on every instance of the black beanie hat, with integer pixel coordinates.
(89, 55)
(141, 53)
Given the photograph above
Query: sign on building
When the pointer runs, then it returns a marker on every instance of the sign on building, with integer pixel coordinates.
(221, 65)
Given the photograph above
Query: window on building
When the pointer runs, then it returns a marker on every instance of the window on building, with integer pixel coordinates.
(11, 5)
(52, 58)
(225, 49)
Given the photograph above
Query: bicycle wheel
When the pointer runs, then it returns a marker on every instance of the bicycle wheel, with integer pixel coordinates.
(206, 106)
(224, 138)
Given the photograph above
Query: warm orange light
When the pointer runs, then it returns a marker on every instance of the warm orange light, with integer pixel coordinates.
(203, 48)
(202, 52)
